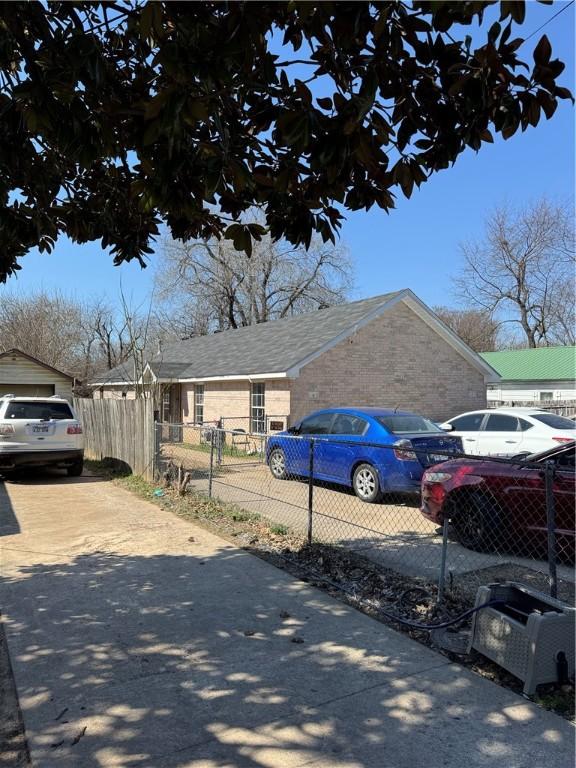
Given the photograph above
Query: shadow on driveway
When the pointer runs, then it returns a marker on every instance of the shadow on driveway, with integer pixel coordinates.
(9, 524)
(190, 660)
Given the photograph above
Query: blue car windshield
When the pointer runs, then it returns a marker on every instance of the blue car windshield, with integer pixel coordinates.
(404, 424)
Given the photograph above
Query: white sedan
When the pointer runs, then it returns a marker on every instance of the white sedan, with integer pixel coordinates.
(508, 431)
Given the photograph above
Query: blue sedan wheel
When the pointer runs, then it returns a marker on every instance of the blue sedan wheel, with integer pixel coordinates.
(277, 464)
(366, 484)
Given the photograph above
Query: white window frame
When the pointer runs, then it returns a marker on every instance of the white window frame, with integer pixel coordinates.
(198, 403)
(166, 401)
(258, 407)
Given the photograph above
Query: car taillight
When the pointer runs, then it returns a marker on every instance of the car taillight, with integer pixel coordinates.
(402, 450)
(6, 429)
(75, 430)
(562, 439)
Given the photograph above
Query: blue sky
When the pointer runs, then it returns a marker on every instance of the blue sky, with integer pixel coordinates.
(416, 245)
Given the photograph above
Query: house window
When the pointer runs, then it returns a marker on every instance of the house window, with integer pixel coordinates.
(258, 418)
(199, 404)
(544, 396)
(166, 405)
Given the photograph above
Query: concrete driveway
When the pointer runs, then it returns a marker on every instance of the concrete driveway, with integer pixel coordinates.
(140, 640)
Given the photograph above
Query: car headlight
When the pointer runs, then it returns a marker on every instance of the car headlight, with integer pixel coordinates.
(436, 477)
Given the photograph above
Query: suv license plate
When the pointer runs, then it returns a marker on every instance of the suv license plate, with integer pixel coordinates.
(42, 429)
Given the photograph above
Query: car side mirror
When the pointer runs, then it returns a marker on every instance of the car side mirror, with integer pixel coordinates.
(293, 430)
(446, 427)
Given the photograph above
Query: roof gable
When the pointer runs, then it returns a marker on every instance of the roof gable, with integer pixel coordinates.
(541, 364)
(15, 351)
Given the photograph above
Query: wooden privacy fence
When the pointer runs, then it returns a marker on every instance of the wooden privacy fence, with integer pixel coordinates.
(122, 430)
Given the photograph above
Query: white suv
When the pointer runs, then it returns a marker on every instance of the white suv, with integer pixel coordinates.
(39, 431)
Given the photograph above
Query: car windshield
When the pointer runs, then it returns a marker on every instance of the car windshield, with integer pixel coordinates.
(404, 424)
(554, 421)
(565, 455)
(38, 410)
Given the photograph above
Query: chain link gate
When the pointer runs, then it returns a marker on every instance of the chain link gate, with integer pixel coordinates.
(530, 541)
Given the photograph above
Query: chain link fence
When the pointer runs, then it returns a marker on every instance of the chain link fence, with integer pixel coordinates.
(475, 523)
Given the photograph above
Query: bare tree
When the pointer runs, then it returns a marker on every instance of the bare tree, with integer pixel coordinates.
(210, 286)
(82, 338)
(143, 334)
(44, 325)
(476, 327)
(522, 271)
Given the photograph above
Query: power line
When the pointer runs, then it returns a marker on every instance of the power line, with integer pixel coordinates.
(549, 20)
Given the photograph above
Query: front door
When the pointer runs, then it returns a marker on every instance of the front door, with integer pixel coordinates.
(171, 413)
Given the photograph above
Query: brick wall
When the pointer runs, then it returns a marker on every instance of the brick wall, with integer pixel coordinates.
(278, 401)
(230, 400)
(395, 361)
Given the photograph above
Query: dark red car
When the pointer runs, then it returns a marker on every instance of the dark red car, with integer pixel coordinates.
(501, 505)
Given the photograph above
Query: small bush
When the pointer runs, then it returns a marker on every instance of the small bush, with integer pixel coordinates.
(279, 530)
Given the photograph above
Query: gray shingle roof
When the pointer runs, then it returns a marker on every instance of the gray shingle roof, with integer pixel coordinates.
(120, 375)
(272, 347)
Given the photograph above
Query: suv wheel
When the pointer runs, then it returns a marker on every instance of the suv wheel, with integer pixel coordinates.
(75, 470)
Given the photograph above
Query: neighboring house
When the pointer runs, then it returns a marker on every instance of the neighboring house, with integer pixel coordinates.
(389, 351)
(116, 383)
(24, 375)
(537, 375)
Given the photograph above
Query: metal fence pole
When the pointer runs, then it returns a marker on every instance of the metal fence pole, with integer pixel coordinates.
(442, 576)
(551, 526)
(211, 470)
(310, 489)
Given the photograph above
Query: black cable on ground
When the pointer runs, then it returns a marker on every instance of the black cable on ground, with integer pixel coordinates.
(444, 624)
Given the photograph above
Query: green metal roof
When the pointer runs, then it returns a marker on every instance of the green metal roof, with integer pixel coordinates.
(550, 363)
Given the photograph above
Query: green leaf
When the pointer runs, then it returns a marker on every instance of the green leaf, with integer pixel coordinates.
(494, 32)
(151, 133)
(543, 51)
(514, 8)
(563, 93)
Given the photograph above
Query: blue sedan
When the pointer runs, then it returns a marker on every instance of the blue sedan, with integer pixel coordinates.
(371, 450)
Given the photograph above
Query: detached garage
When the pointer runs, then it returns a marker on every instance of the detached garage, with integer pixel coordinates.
(24, 375)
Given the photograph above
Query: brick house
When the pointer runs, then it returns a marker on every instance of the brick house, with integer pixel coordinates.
(389, 351)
